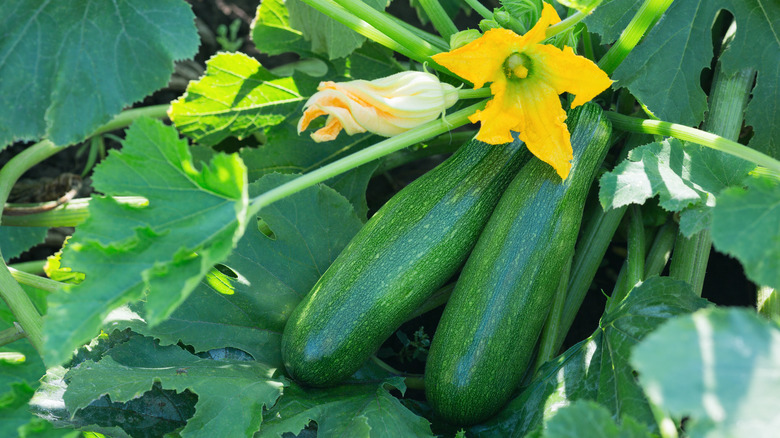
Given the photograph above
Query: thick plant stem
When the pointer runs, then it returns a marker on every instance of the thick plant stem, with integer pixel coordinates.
(633, 270)
(593, 244)
(14, 296)
(646, 16)
(33, 267)
(67, 215)
(441, 21)
(419, 48)
(693, 135)
(728, 99)
(548, 346)
(659, 252)
(364, 156)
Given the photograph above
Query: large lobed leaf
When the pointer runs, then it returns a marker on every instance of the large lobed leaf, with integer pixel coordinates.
(725, 373)
(193, 220)
(272, 33)
(746, 224)
(664, 70)
(67, 67)
(682, 175)
(16, 240)
(352, 410)
(231, 394)
(237, 97)
(588, 419)
(598, 368)
(248, 310)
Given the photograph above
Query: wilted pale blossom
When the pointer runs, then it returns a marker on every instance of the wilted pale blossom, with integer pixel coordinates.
(386, 106)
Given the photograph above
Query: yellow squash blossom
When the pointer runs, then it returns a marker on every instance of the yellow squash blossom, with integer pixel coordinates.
(387, 106)
(527, 78)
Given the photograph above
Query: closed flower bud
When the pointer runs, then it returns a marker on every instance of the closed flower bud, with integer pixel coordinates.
(386, 106)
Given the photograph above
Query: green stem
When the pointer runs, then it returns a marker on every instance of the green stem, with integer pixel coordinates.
(12, 334)
(648, 14)
(633, 270)
(548, 346)
(125, 118)
(441, 21)
(480, 9)
(768, 303)
(435, 40)
(14, 296)
(364, 156)
(443, 144)
(413, 381)
(33, 267)
(728, 99)
(593, 244)
(35, 281)
(587, 46)
(693, 135)
(418, 47)
(67, 215)
(468, 93)
(351, 20)
(659, 253)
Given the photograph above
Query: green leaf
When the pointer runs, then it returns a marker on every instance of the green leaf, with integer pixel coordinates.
(611, 17)
(271, 31)
(663, 71)
(16, 240)
(681, 174)
(193, 220)
(68, 67)
(18, 380)
(586, 418)
(725, 375)
(236, 97)
(267, 277)
(597, 368)
(326, 35)
(288, 152)
(355, 410)
(746, 225)
(231, 394)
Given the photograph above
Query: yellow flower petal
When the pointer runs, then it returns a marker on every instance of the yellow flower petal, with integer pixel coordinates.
(538, 33)
(567, 72)
(542, 126)
(499, 116)
(482, 60)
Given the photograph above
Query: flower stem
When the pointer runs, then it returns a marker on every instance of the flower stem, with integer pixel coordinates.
(646, 17)
(9, 335)
(468, 93)
(568, 23)
(441, 21)
(480, 9)
(693, 135)
(364, 156)
(659, 253)
(32, 267)
(419, 48)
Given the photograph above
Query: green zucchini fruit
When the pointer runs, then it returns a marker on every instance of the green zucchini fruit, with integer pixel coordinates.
(486, 337)
(404, 253)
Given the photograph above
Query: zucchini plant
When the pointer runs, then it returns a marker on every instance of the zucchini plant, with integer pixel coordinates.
(540, 195)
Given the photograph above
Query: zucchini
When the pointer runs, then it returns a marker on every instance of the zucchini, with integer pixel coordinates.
(404, 253)
(486, 336)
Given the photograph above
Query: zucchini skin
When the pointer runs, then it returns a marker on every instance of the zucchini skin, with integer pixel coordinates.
(486, 337)
(404, 253)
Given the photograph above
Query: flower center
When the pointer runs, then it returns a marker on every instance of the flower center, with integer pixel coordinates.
(517, 65)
